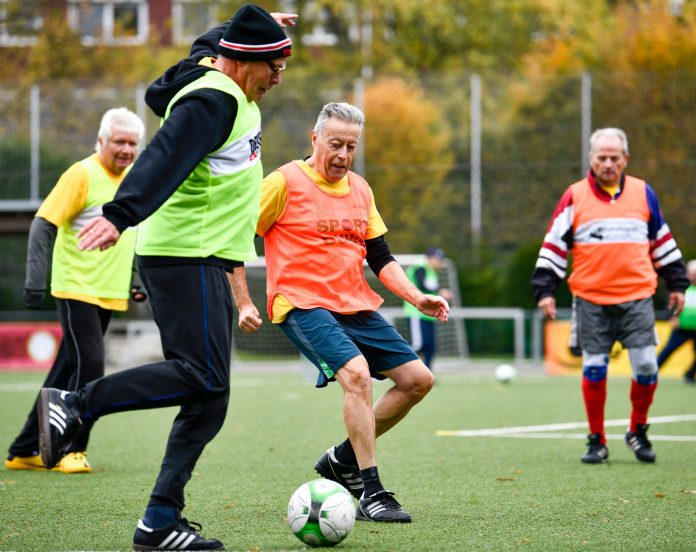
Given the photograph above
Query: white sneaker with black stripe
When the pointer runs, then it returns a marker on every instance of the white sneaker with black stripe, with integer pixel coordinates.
(381, 506)
(179, 536)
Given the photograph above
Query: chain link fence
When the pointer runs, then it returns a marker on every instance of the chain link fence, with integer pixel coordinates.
(531, 147)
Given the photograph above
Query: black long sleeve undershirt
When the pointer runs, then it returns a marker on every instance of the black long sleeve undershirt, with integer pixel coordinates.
(377, 254)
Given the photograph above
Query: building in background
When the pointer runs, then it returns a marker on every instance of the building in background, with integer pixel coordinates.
(129, 22)
(110, 22)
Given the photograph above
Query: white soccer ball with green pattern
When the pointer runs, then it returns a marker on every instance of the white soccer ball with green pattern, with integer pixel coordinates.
(321, 513)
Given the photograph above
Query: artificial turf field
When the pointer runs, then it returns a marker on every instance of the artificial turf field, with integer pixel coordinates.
(530, 492)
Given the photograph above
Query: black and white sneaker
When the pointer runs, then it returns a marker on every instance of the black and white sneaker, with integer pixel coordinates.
(381, 506)
(344, 474)
(638, 442)
(57, 424)
(597, 453)
(182, 535)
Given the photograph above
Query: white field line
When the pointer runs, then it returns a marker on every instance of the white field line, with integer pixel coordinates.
(609, 436)
(546, 431)
(19, 387)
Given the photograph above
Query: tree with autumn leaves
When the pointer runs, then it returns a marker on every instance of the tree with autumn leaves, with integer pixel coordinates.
(415, 59)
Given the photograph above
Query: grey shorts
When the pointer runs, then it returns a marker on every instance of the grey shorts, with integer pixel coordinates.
(599, 326)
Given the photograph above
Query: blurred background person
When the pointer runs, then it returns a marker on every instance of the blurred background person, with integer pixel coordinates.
(425, 276)
(88, 285)
(684, 326)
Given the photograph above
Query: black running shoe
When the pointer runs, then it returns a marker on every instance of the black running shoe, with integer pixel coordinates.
(182, 535)
(638, 442)
(597, 453)
(57, 424)
(343, 474)
(381, 506)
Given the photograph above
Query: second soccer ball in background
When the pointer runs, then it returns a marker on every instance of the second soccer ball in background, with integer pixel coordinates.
(505, 373)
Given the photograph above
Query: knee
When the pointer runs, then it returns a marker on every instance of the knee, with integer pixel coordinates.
(594, 366)
(644, 364)
(419, 385)
(355, 377)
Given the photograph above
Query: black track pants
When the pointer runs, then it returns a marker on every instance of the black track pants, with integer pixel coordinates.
(192, 306)
(80, 359)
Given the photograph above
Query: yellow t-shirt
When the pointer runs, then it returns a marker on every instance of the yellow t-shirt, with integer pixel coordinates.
(65, 201)
(611, 190)
(273, 198)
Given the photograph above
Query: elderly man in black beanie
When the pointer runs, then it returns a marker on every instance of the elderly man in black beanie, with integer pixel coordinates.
(194, 192)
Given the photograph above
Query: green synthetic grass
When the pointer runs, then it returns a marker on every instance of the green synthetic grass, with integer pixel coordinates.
(473, 493)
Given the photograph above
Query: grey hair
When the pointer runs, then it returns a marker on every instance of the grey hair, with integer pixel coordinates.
(612, 133)
(119, 119)
(343, 112)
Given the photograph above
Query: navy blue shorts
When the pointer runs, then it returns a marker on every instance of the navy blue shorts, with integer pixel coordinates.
(329, 340)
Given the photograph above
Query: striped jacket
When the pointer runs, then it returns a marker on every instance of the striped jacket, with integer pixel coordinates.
(619, 245)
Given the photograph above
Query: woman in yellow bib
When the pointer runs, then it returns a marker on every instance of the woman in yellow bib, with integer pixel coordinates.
(88, 285)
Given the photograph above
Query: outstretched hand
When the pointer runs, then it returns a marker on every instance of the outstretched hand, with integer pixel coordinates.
(435, 306)
(284, 19)
(97, 233)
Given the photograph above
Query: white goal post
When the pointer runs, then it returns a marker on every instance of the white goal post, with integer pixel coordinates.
(133, 341)
(451, 337)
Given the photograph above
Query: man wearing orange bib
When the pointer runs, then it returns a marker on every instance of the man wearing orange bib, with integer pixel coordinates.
(319, 223)
(620, 242)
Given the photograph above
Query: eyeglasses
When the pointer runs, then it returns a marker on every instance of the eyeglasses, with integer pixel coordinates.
(275, 69)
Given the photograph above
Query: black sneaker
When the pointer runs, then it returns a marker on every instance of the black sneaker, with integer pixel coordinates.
(597, 453)
(343, 474)
(638, 442)
(57, 425)
(181, 535)
(381, 506)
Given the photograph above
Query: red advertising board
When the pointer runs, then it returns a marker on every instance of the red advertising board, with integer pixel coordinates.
(28, 345)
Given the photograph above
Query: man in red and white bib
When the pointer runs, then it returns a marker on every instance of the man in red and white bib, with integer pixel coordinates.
(612, 224)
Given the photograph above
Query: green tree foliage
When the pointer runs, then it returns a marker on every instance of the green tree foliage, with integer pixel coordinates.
(407, 145)
(642, 59)
(530, 54)
(415, 36)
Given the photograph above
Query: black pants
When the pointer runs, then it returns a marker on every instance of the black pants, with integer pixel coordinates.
(80, 359)
(192, 306)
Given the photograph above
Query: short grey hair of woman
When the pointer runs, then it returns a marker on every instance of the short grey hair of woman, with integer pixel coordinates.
(119, 119)
(343, 112)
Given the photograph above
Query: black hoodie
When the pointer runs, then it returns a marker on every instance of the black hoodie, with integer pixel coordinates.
(198, 124)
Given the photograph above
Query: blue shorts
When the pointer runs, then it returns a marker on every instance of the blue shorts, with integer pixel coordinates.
(329, 340)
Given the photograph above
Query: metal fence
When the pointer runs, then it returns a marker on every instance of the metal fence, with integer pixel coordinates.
(512, 150)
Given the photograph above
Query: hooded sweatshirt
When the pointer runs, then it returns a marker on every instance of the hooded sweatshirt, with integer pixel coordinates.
(198, 124)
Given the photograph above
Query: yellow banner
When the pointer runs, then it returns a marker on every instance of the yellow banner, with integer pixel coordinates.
(559, 359)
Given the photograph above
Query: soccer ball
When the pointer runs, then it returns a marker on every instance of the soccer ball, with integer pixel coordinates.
(505, 373)
(321, 513)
